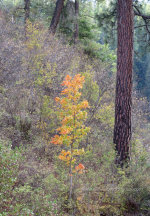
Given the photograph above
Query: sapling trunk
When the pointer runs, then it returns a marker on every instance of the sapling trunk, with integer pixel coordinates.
(71, 177)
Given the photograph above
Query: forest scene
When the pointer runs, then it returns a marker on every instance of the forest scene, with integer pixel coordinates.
(74, 108)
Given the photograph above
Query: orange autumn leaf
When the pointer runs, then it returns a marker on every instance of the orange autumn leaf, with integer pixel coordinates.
(65, 156)
(63, 152)
(57, 99)
(65, 131)
(65, 91)
(63, 101)
(57, 140)
(61, 157)
(67, 80)
(67, 119)
(79, 198)
(80, 167)
(84, 105)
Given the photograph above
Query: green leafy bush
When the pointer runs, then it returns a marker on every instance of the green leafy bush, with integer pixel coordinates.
(9, 166)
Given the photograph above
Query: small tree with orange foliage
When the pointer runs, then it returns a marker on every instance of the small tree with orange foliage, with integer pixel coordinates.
(72, 131)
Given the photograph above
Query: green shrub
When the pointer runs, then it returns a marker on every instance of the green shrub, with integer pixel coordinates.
(9, 166)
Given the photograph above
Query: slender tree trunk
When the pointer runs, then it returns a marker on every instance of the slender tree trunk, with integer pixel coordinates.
(71, 181)
(76, 30)
(56, 16)
(27, 10)
(123, 103)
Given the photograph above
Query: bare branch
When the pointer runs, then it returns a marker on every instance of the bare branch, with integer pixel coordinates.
(141, 26)
(137, 12)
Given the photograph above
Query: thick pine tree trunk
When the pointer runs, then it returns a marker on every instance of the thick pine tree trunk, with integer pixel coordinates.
(27, 10)
(76, 29)
(123, 102)
(56, 16)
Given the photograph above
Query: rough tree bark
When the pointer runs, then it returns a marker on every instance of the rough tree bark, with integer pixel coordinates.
(76, 29)
(123, 102)
(56, 16)
(27, 10)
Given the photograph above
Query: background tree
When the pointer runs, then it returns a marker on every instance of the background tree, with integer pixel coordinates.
(122, 128)
(27, 10)
(76, 30)
(107, 18)
(56, 16)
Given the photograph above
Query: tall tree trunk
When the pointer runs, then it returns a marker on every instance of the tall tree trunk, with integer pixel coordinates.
(76, 30)
(56, 16)
(123, 103)
(27, 10)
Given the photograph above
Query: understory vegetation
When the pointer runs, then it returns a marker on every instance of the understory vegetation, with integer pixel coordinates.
(35, 160)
